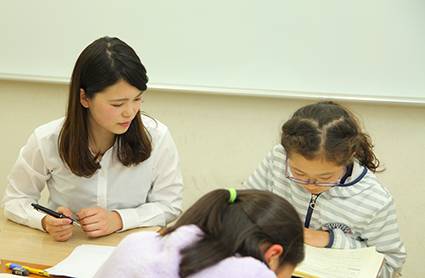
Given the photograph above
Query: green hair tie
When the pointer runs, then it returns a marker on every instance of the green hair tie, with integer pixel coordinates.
(233, 195)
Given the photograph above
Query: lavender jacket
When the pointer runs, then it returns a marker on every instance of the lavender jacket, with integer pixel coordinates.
(147, 254)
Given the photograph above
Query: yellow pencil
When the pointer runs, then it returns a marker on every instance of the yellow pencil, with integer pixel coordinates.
(32, 270)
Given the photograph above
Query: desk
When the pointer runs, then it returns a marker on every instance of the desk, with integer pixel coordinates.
(22, 243)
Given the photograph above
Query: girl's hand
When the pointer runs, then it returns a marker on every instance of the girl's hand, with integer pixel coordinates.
(59, 228)
(316, 238)
(98, 221)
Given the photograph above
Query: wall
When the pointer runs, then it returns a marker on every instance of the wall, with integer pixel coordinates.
(221, 139)
(362, 47)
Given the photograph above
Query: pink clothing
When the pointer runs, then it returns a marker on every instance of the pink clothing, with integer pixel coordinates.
(147, 254)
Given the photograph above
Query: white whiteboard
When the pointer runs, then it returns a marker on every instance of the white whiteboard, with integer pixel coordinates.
(360, 49)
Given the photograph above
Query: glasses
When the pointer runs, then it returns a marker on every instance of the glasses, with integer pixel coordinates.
(308, 181)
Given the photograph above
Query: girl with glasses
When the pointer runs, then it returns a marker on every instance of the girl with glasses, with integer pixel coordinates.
(325, 167)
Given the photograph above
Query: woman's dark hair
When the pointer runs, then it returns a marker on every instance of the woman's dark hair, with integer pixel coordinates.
(101, 64)
(330, 130)
(257, 218)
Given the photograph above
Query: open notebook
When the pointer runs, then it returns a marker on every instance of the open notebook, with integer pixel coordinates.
(86, 259)
(83, 262)
(340, 263)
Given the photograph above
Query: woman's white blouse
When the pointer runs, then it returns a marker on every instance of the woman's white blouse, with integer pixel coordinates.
(148, 194)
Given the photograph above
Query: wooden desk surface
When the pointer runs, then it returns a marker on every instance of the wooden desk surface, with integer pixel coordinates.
(22, 243)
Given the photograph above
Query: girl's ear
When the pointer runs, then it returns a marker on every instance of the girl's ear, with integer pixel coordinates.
(272, 256)
(84, 99)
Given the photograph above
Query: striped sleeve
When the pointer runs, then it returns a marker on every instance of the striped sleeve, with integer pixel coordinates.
(341, 240)
(261, 179)
(383, 233)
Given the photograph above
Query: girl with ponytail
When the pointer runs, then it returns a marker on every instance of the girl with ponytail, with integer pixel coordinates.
(325, 167)
(227, 233)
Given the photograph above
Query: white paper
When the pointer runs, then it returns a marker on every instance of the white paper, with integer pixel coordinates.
(341, 263)
(7, 275)
(83, 262)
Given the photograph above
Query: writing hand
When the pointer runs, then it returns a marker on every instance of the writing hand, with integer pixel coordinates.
(98, 221)
(59, 228)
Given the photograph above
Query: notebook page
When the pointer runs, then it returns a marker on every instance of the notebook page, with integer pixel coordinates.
(83, 262)
(341, 263)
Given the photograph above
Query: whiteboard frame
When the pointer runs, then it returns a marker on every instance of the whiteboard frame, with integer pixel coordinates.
(346, 97)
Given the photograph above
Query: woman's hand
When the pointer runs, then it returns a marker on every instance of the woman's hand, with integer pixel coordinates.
(316, 238)
(98, 221)
(59, 228)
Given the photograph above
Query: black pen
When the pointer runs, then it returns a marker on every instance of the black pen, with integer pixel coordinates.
(54, 213)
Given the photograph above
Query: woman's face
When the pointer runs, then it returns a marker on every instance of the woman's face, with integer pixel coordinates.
(315, 171)
(112, 110)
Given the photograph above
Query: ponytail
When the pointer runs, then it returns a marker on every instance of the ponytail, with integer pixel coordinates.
(363, 152)
(240, 227)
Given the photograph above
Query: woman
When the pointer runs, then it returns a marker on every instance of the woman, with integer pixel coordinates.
(104, 162)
